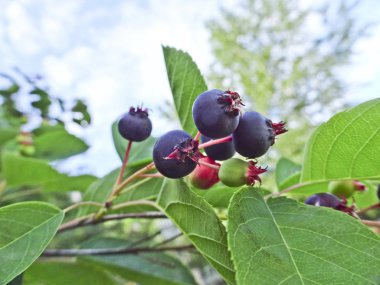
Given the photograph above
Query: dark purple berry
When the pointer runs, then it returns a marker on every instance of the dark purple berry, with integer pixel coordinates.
(216, 113)
(324, 199)
(331, 201)
(255, 134)
(378, 191)
(222, 151)
(176, 154)
(135, 125)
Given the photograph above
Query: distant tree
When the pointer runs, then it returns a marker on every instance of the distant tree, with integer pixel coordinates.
(286, 58)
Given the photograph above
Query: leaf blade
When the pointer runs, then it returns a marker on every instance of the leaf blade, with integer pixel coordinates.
(344, 146)
(145, 268)
(27, 228)
(282, 256)
(47, 147)
(25, 171)
(186, 83)
(62, 273)
(186, 209)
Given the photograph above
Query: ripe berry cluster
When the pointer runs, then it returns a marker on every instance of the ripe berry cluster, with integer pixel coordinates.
(223, 130)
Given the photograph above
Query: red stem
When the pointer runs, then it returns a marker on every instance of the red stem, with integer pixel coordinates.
(368, 208)
(120, 178)
(209, 165)
(196, 138)
(214, 142)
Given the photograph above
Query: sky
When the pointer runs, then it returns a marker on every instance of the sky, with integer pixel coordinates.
(109, 54)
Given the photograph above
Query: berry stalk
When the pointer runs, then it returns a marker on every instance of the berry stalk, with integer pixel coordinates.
(197, 136)
(368, 208)
(125, 161)
(213, 166)
(135, 175)
(215, 142)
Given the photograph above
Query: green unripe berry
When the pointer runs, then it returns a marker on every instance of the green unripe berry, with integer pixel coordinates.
(233, 171)
(342, 188)
(27, 150)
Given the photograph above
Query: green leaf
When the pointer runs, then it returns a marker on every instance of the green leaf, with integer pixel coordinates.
(45, 128)
(26, 230)
(281, 241)
(145, 268)
(58, 145)
(12, 89)
(24, 171)
(17, 281)
(7, 134)
(364, 199)
(186, 83)
(218, 196)
(140, 150)
(43, 103)
(80, 108)
(345, 147)
(198, 221)
(285, 169)
(65, 273)
(100, 190)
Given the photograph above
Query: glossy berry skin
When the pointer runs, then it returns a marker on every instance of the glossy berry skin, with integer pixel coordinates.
(135, 125)
(253, 136)
(215, 114)
(222, 151)
(172, 168)
(324, 200)
(204, 177)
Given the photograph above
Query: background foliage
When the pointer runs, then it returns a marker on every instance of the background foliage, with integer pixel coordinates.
(246, 235)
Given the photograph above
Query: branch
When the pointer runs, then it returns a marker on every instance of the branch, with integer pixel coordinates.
(368, 208)
(371, 223)
(106, 251)
(89, 221)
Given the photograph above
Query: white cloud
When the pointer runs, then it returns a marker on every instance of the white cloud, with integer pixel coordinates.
(110, 54)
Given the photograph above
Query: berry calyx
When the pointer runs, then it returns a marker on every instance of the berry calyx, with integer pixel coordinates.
(253, 172)
(216, 113)
(186, 149)
(236, 172)
(174, 154)
(255, 134)
(278, 129)
(135, 125)
(231, 102)
(345, 188)
(204, 177)
(222, 151)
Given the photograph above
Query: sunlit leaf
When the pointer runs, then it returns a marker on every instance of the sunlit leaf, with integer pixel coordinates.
(26, 230)
(186, 83)
(281, 241)
(198, 221)
(58, 145)
(24, 171)
(345, 146)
